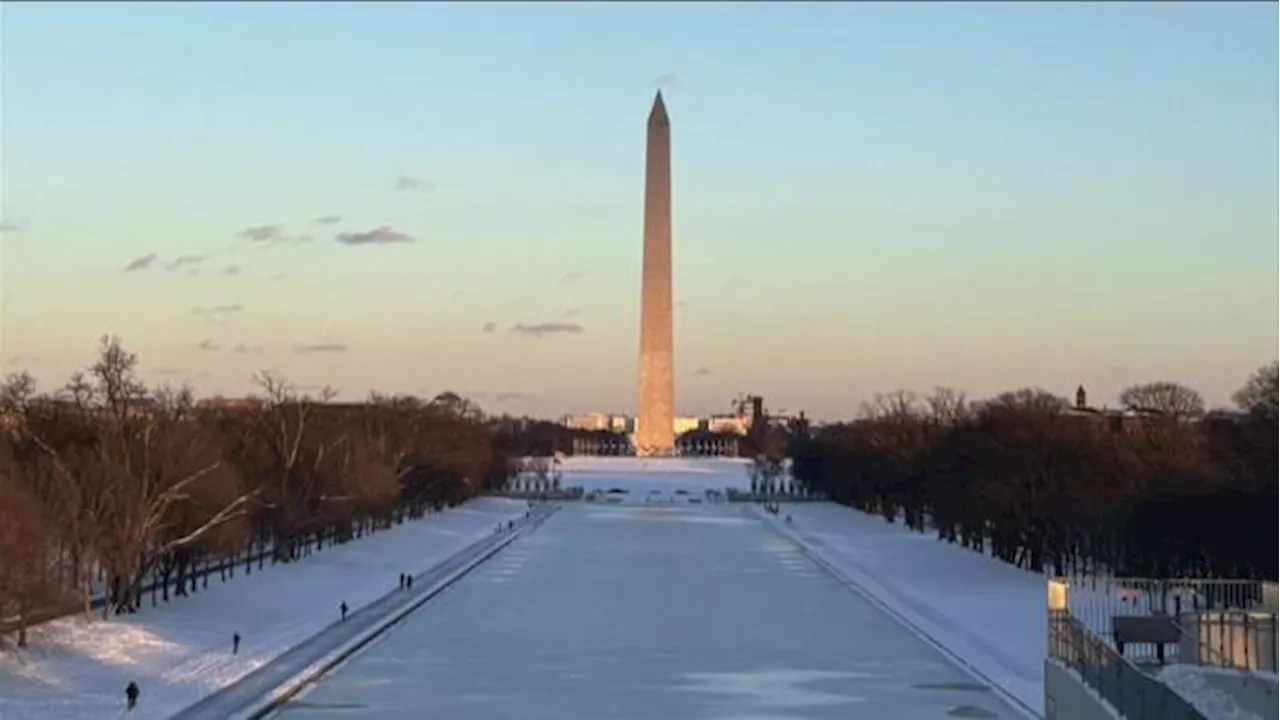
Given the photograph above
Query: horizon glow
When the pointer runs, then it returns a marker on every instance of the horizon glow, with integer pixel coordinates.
(419, 197)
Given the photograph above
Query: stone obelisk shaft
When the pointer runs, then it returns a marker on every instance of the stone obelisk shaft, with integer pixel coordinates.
(655, 432)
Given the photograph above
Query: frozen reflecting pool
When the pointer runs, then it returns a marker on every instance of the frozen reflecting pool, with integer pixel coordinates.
(635, 612)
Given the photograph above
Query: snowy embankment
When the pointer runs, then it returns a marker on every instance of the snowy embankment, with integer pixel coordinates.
(987, 615)
(1223, 694)
(181, 652)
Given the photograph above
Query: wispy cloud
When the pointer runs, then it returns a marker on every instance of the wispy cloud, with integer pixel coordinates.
(571, 276)
(209, 346)
(328, 219)
(8, 227)
(380, 236)
(231, 270)
(666, 81)
(262, 233)
(680, 304)
(328, 347)
(279, 276)
(702, 371)
(511, 396)
(141, 263)
(409, 182)
(218, 310)
(549, 328)
(489, 327)
(218, 313)
(570, 313)
(184, 261)
(242, 349)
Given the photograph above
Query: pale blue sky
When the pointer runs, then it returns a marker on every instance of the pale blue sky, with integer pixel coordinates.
(866, 196)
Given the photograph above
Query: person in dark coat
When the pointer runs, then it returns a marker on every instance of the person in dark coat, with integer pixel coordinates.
(235, 643)
(131, 693)
(343, 609)
(408, 581)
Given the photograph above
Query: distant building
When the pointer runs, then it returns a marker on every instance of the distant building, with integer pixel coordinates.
(1114, 420)
(683, 424)
(593, 421)
(727, 424)
(751, 407)
(624, 424)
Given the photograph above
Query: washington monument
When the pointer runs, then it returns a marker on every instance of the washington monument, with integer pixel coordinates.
(655, 431)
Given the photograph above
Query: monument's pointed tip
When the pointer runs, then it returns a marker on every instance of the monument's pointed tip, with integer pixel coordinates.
(659, 111)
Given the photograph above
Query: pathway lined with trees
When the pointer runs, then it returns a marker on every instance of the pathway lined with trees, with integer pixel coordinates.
(105, 476)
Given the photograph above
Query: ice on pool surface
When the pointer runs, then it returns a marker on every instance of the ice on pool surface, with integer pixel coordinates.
(621, 612)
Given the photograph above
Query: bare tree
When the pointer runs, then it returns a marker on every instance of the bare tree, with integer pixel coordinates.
(27, 562)
(947, 405)
(1163, 398)
(451, 403)
(50, 453)
(1029, 399)
(1261, 394)
(151, 454)
(895, 405)
(16, 393)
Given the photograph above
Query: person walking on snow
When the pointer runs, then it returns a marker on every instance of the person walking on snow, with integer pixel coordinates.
(408, 581)
(343, 609)
(235, 643)
(131, 693)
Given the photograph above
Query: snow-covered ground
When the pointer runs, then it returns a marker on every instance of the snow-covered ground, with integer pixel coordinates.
(181, 651)
(650, 612)
(987, 614)
(1222, 694)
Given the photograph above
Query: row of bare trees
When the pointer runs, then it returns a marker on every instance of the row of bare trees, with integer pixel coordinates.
(1160, 489)
(107, 478)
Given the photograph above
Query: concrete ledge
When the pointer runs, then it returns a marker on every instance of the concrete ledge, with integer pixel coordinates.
(263, 691)
(1066, 697)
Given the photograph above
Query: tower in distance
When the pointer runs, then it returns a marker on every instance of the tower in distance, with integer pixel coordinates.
(655, 421)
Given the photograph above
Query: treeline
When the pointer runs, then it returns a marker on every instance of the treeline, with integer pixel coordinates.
(526, 437)
(1161, 488)
(107, 476)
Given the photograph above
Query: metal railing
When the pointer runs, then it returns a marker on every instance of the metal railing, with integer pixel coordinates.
(1096, 601)
(1230, 639)
(1133, 693)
